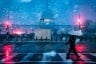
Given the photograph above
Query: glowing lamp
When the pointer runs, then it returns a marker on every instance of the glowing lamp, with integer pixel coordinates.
(7, 24)
(79, 20)
(18, 32)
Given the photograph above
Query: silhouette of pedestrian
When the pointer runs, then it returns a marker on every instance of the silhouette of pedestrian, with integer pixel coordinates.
(71, 42)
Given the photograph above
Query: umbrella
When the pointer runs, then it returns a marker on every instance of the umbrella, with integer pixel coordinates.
(76, 33)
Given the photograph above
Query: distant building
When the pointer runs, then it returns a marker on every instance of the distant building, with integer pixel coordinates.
(47, 17)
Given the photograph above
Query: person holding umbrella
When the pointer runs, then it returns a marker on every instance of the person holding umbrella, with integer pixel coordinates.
(72, 44)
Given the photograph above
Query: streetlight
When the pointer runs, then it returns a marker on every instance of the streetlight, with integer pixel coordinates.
(7, 25)
(79, 22)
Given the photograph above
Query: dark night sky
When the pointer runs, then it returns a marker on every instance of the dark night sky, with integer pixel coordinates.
(64, 11)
